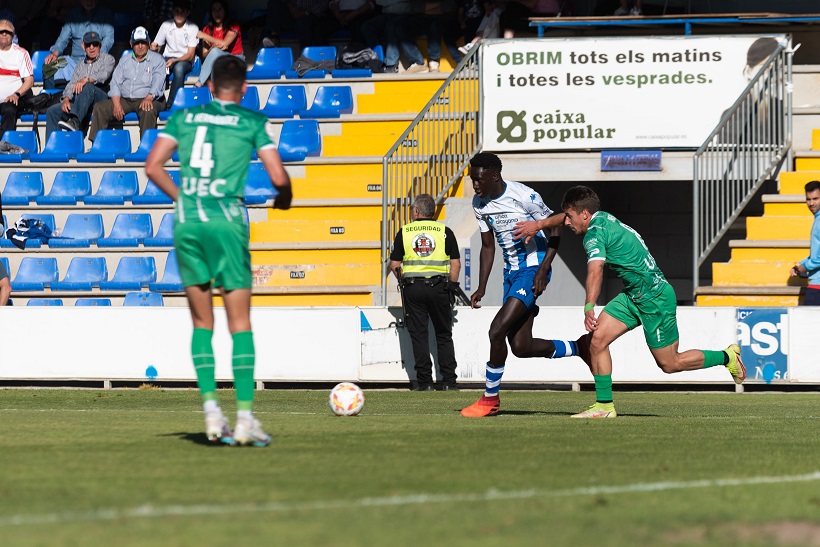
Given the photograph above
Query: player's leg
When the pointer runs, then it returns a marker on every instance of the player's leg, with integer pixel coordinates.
(416, 303)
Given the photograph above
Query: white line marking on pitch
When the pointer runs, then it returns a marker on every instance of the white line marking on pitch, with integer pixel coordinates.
(150, 511)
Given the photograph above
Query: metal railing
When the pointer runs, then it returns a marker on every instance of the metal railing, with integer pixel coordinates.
(433, 153)
(747, 148)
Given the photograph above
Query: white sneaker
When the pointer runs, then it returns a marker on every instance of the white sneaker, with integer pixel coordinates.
(416, 68)
(636, 11)
(621, 12)
(250, 433)
(217, 428)
(433, 66)
(465, 49)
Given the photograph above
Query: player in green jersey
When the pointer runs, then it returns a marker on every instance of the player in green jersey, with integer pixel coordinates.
(648, 299)
(211, 232)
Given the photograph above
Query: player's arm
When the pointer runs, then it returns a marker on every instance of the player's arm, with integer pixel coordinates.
(486, 257)
(595, 279)
(526, 229)
(279, 177)
(162, 150)
(539, 282)
(5, 291)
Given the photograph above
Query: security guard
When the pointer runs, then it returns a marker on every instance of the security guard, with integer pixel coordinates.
(429, 252)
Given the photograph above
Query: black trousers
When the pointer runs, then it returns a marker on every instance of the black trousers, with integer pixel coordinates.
(812, 297)
(428, 299)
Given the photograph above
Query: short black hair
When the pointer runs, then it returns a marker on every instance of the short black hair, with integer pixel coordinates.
(581, 198)
(185, 4)
(487, 160)
(812, 186)
(229, 73)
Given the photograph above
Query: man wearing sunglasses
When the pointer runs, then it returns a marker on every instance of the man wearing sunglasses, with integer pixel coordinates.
(87, 87)
(16, 77)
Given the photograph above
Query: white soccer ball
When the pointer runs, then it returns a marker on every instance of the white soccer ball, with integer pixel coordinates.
(346, 399)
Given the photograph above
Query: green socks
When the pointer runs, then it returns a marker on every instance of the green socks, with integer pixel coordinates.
(244, 356)
(714, 358)
(603, 388)
(202, 352)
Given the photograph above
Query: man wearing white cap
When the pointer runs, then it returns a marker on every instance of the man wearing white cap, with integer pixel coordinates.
(138, 85)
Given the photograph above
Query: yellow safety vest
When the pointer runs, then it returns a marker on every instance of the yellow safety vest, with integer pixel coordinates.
(424, 254)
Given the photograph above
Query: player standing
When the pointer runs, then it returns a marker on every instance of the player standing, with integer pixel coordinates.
(211, 231)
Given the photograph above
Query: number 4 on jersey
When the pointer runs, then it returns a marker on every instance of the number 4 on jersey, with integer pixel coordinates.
(201, 157)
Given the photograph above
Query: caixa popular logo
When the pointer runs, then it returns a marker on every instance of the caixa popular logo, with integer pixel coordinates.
(762, 335)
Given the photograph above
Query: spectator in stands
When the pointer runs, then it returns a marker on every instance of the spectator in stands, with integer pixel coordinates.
(178, 35)
(488, 28)
(516, 15)
(57, 70)
(624, 8)
(430, 18)
(5, 285)
(470, 15)
(810, 267)
(88, 86)
(156, 12)
(16, 77)
(374, 30)
(137, 85)
(351, 14)
(221, 36)
(312, 20)
(29, 18)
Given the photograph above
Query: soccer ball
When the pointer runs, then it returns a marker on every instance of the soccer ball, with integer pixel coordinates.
(346, 399)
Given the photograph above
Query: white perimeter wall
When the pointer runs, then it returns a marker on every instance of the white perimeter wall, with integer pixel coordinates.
(327, 344)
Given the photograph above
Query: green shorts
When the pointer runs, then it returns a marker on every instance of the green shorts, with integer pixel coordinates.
(213, 252)
(658, 315)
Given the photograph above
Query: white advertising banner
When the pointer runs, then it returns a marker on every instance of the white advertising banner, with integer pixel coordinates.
(604, 93)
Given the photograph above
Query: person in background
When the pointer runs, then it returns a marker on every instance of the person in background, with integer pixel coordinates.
(810, 267)
(16, 77)
(351, 14)
(488, 28)
(156, 12)
(221, 36)
(178, 35)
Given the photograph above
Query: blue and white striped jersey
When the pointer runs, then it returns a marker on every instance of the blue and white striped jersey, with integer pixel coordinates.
(517, 203)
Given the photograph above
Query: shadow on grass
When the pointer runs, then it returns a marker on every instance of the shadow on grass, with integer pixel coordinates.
(567, 414)
(196, 438)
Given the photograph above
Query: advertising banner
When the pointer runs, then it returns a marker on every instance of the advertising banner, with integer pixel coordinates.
(763, 335)
(604, 93)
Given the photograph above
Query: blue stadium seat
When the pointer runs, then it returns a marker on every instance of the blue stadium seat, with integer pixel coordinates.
(133, 273)
(165, 233)
(83, 274)
(258, 186)
(285, 101)
(299, 139)
(152, 195)
(60, 147)
(171, 280)
(144, 147)
(47, 218)
(23, 139)
(271, 63)
(129, 230)
(22, 187)
(318, 54)
(116, 187)
(37, 59)
(196, 68)
(68, 188)
(81, 230)
(143, 299)
(92, 302)
(5, 262)
(250, 99)
(45, 302)
(351, 73)
(330, 102)
(35, 274)
(186, 98)
(108, 146)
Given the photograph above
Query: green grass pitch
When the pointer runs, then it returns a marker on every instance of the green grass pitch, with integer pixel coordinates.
(131, 467)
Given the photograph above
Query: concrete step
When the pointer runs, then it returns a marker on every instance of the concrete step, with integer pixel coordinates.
(341, 230)
(785, 208)
(396, 96)
(794, 182)
(304, 268)
(748, 296)
(753, 273)
(779, 227)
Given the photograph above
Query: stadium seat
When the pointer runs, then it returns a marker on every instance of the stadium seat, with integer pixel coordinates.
(299, 139)
(92, 302)
(330, 102)
(68, 188)
(258, 186)
(109, 146)
(5, 262)
(47, 218)
(22, 187)
(250, 99)
(318, 54)
(271, 63)
(81, 230)
(143, 299)
(351, 73)
(152, 195)
(83, 274)
(196, 68)
(60, 147)
(285, 101)
(129, 230)
(133, 273)
(35, 274)
(144, 147)
(37, 59)
(165, 233)
(23, 139)
(116, 187)
(171, 280)
(45, 302)
(186, 98)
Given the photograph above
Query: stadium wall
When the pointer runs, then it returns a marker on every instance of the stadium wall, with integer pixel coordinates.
(363, 344)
